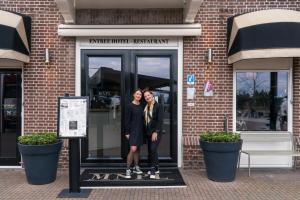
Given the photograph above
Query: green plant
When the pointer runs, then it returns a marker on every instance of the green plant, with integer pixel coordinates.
(220, 137)
(38, 139)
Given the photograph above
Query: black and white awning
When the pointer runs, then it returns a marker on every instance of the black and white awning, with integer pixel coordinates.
(15, 33)
(263, 34)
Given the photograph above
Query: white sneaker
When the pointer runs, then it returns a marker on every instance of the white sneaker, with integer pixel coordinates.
(156, 172)
(128, 173)
(137, 170)
(152, 174)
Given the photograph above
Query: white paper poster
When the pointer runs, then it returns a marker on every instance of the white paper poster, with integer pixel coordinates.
(191, 93)
(73, 117)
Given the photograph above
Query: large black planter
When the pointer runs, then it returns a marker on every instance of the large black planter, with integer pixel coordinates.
(221, 159)
(40, 162)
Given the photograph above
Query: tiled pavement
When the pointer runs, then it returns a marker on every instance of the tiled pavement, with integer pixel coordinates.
(263, 184)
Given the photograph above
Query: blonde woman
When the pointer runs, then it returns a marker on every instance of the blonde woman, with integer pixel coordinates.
(153, 118)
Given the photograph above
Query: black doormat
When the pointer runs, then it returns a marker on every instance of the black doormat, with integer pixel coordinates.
(168, 177)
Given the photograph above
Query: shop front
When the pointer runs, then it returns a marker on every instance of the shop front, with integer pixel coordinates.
(110, 69)
(15, 36)
(105, 49)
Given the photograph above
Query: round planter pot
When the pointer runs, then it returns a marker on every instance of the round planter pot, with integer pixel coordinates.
(221, 159)
(40, 162)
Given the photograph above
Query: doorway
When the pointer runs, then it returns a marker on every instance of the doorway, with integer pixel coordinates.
(10, 116)
(108, 77)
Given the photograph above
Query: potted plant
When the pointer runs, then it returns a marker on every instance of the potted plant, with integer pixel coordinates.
(221, 154)
(40, 153)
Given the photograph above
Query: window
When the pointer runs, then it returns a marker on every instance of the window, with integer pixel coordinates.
(261, 101)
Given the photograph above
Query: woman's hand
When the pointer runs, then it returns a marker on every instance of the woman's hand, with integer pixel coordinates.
(127, 136)
(154, 137)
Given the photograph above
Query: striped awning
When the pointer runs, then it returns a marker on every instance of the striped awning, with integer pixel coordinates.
(15, 33)
(263, 34)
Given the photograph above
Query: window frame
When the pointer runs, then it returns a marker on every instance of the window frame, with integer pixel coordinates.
(290, 101)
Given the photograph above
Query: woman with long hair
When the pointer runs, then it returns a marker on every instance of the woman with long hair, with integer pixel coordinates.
(153, 118)
(134, 131)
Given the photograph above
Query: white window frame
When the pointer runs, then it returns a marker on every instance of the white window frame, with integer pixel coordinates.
(290, 99)
(178, 47)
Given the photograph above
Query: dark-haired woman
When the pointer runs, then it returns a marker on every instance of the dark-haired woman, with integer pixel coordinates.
(153, 117)
(134, 131)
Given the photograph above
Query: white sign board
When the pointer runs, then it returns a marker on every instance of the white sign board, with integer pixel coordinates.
(72, 117)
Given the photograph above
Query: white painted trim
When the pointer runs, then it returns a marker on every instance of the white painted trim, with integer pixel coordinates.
(179, 103)
(190, 10)
(11, 167)
(67, 10)
(136, 187)
(287, 68)
(130, 30)
(290, 107)
(290, 97)
(179, 49)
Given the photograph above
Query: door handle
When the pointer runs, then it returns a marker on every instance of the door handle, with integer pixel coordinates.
(114, 111)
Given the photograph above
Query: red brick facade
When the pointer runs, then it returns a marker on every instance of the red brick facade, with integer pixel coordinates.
(208, 113)
(43, 83)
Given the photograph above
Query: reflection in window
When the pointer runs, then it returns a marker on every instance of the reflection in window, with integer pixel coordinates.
(104, 86)
(154, 73)
(261, 101)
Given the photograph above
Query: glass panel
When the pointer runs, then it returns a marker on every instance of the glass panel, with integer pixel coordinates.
(261, 101)
(154, 72)
(104, 84)
(9, 115)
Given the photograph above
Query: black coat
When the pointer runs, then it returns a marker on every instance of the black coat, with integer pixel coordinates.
(156, 122)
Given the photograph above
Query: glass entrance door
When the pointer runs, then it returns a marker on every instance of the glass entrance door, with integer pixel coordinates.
(10, 116)
(108, 78)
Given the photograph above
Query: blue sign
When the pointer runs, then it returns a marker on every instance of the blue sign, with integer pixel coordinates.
(190, 79)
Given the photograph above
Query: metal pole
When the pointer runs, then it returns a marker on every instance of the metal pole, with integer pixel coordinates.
(74, 166)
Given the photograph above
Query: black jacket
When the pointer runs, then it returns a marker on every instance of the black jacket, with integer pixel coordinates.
(156, 122)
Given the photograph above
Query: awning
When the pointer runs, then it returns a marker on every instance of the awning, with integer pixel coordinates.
(15, 33)
(263, 34)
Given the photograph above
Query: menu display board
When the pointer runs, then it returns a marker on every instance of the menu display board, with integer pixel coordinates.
(72, 117)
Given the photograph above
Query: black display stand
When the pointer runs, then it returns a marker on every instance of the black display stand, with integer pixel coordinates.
(74, 190)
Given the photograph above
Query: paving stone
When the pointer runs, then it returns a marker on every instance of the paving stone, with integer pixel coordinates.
(262, 185)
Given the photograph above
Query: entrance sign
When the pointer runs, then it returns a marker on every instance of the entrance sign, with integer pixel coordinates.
(72, 117)
(129, 42)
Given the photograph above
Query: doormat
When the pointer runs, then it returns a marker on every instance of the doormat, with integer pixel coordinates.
(103, 178)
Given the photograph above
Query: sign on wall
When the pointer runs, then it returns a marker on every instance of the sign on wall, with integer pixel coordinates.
(208, 89)
(72, 117)
(129, 42)
(190, 79)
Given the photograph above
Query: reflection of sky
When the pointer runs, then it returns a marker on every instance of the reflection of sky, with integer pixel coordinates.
(246, 81)
(154, 66)
(97, 62)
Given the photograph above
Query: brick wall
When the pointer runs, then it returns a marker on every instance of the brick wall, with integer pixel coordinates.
(43, 83)
(129, 16)
(208, 112)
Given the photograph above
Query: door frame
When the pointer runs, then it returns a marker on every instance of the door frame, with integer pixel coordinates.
(82, 43)
(124, 84)
(16, 163)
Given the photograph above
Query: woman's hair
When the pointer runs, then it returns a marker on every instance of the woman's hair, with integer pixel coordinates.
(147, 90)
(137, 89)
